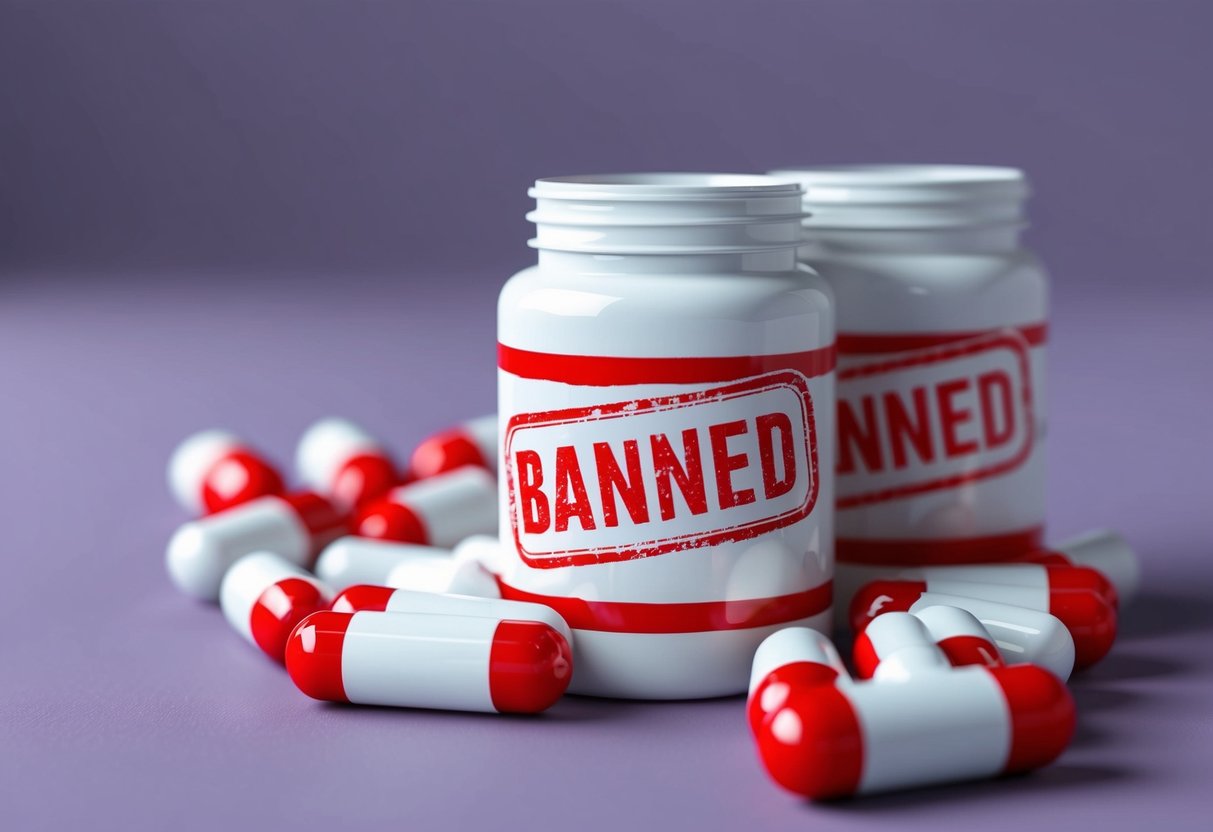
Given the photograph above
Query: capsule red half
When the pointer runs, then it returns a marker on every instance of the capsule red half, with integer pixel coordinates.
(791, 657)
(472, 443)
(439, 511)
(1090, 620)
(340, 460)
(214, 470)
(830, 741)
(264, 597)
(422, 660)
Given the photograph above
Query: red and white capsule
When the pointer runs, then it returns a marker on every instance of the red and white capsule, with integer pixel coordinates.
(961, 637)
(294, 526)
(895, 646)
(264, 597)
(439, 511)
(1021, 635)
(1102, 550)
(788, 657)
(340, 460)
(421, 660)
(1044, 578)
(835, 740)
(386, 599)
(472, 443)
(1089, 618)
(214, 470)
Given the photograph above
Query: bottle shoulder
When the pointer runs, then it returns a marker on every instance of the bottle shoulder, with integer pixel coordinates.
(662, 314)
(935, 291)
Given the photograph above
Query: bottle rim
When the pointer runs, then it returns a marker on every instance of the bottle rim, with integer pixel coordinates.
(893, 184)
(656, 186)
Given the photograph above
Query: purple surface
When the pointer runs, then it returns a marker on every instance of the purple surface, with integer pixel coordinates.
(122, 699)
(194, 201)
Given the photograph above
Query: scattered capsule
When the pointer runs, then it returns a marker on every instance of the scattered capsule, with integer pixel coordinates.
(386, 599)
(420, 660)
(472, 443)
(896, 645)
(1043, 577)
(961, 637)
(835, 740)
(791, 656)
(1021, 635)
(340, 460)
(438, 511)
(213, 470)
(264, 597)
(1090, 620)
(294, 526)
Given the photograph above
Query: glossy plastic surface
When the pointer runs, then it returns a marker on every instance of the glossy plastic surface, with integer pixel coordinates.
(685, 304)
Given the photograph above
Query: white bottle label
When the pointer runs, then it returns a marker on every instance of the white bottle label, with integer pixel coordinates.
(933, 419)
(643, 477)
(940, 456)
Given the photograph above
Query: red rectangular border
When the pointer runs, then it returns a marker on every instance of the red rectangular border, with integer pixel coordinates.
(1003, 339)
(659, 546)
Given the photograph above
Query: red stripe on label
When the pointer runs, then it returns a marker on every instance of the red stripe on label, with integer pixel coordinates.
(626, 617)
(610, 371)
(939, 552)
(856, 343)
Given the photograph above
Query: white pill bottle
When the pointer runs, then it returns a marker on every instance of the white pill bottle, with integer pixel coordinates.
(941, 358)
(666, 406)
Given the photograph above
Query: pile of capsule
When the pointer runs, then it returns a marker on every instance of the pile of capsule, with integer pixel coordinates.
(959, 673)
(370, 583)
(375, 584)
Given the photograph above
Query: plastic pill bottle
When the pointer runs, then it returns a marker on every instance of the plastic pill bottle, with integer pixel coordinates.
(941, 358)
(666, 408)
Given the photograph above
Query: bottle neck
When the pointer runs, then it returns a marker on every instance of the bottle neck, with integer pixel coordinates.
(771, 261)
(1002, 238)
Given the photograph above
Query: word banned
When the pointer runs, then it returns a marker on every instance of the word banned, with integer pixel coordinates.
(636, 479)
(933, 419)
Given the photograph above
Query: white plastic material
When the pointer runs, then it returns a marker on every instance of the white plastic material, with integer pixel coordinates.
(942, 324)
(663, 305)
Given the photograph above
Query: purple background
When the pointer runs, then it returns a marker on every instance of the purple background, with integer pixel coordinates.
(256, 214)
